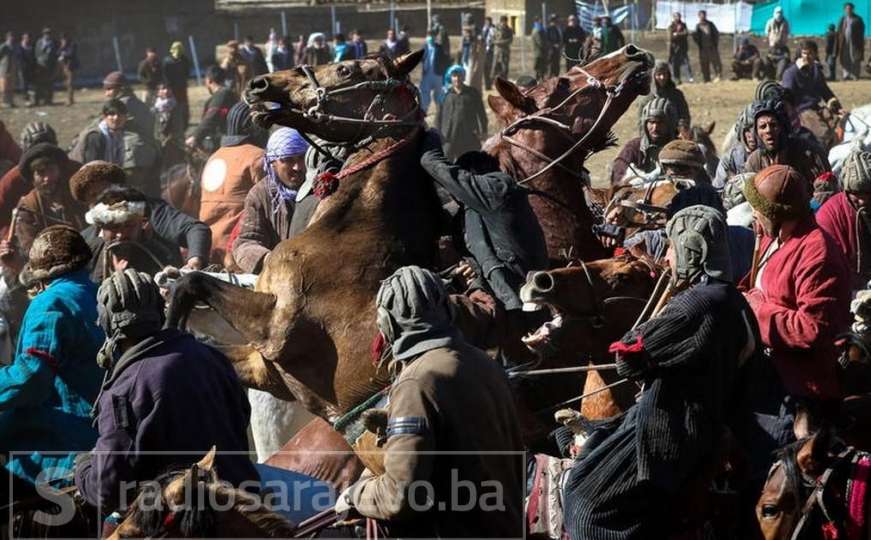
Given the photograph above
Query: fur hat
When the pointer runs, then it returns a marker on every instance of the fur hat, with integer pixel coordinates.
(683, 153)
(37, 152)
(779, 193)
(856, 172)
(57, 250)
(92, 173)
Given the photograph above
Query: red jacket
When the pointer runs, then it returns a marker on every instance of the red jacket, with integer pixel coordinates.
(802, 306)
(838, 218)
(9, 149)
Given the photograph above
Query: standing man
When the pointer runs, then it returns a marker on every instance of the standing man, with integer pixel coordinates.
(851, 42)
(359, 45)
(282, 56)
(68, 57)
(176, 68)
(254, 56)
(105, 141)
(46, 67)
(432, 68)
(573, 40)
(116, 86)
(502, 39)
(777, 29)
(679, 47)
(8, 70)
(555, 44)
(540, 49)
(663, 87)
(707, 37)
(461, 119)
(441, 35)
(390, 46)
(26, 65)
(150, 75)
(214, 120)
(488, 32)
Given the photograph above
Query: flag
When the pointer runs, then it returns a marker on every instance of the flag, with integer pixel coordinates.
(588, 12)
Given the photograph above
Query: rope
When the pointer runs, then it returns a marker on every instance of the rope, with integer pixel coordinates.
(349, 417)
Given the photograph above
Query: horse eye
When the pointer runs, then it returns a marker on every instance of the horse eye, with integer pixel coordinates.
(769, 511)
(343, 71)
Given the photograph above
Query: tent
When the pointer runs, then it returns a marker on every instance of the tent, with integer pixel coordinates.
(808, 17)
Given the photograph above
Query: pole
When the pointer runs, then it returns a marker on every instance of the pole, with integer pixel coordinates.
(235, 30)
(117, 53)
(333, 18)
(544, 13)
(196, 60)
(392, 15)
(283, 23)
(522, 35)
(428, 14)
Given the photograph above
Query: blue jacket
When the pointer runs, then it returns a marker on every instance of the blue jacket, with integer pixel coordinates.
(47, 391)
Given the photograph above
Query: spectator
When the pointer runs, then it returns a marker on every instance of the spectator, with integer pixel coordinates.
(851, 42)
(555, 44)
(502, 39)
(573, 40)
(139, 116)
(254, 58)
(271, 44)
(663, 87)
(27, 66)
(168, 114)
(282, 57)
(488, 32)
(68, 58)
(679, 47)
(659, 127)
(461, 119)
(8, 70)
(404, 46)
(299, 50)
(46, 67)
(317, 52)
(106, 140)
(359, 44)
(150, 75)
(343, 51)
(540, 49)
(214, 120)
(612, 38)
(777, 30)
(707, 37)
(471, 55)
(390, 46)
(747, 62)
(236, 67)
(831, 52)
(433, 68)
(440, 32)
(806, 81)
(176, 68)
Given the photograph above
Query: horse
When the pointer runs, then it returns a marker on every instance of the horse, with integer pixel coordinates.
(701, 135)
(194, 503)
(180, 184)
(551, 129)
(817, 488)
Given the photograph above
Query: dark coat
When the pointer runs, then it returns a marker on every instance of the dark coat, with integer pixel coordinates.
(462, 121)
(710, 40)
(169, 393)
(214, 121)
(857, 39)
(632, 154)
(501, 231)
(808, 86)
(150, 74)
(573, 40)
(175, 74)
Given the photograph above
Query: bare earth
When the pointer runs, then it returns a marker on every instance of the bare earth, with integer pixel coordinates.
(719, 102)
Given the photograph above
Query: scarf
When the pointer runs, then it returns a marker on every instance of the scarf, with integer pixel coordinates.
(114, 152)
(283, 143)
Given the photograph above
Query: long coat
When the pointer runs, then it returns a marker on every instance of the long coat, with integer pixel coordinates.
(462, 121)
(837, 218)
(856, 45)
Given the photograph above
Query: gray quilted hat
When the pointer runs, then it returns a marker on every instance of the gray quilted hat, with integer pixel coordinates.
(856, 174)
(698, 238)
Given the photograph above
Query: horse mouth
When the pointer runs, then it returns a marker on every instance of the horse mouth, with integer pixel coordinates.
(637, 77)
(265, 113)
(543, 337)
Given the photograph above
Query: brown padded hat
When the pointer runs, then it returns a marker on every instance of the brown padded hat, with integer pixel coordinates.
(56, 250)
(93, 172)
(681, 152)
(779, 193)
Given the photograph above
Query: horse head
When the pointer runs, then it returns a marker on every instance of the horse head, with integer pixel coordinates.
(343, 102)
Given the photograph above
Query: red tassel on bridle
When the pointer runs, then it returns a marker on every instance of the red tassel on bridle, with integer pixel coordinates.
(326, 184)
(377, 347)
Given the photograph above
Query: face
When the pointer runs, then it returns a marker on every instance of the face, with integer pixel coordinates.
(765, 224)
(46, 177)
(769, 129)
(809, 55)
(859, 200)
(572, 20)
(656, 129)
(676, 17)
(163, 92)
(130, 231)
(115, 120)
(848, 9)
(150, 56)
(749, 139)
(290, 171)
(391, 35)
(703, 16)
(456, 80)
(661, 77)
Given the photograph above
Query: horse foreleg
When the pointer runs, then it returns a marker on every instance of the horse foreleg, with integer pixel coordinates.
(245, 310)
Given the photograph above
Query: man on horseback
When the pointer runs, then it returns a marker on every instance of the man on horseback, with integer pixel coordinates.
(625, 483)
(165, 401)
(639, 155)
(451, 423)
(807, 81)
(47, 391)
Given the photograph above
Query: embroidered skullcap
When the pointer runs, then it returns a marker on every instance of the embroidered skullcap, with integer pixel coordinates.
(856, 174)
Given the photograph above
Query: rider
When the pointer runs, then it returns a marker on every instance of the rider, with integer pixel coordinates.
(47, 391)
(214, 120)
(270, 213)
(624, 484)
(659, 127)
(733, 160)
(846, 219)
(158, 385)
(663, 87)
(807, 81)
(451, 425)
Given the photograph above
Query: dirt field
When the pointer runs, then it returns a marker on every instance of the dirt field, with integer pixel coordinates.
(719, 102)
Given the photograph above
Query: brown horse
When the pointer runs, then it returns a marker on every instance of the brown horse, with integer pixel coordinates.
(552, 128)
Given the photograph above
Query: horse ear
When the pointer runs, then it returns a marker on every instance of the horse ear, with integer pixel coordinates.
(512, 94)
(814, 453)
(403, 65)
(208, 460)
(502, 108)
(710, 127)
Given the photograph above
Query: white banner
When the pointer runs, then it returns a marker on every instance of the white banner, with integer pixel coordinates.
(727, 17)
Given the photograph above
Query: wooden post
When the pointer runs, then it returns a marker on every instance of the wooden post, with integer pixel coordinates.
(236, 30)
(196, 60)
(117, 53)
(283, 23)
(333, 17)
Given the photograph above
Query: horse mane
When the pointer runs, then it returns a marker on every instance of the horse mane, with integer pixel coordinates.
(273, 524)
(788, 457)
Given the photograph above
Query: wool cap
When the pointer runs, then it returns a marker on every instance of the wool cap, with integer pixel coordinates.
(115, 79)
(95, 172)
(681, 152)
(779, 193)
(57, 250)
(856, 172)
(38, 152)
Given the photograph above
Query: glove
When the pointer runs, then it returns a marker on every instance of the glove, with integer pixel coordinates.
(344, 503)
(632, 360)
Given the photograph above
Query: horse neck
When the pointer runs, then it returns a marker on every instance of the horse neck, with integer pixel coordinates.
(250, 519)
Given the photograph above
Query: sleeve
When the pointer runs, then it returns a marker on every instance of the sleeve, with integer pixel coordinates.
(408, 458)
(92, 149)
(620, 165)
(29, 379)
(684, 109)
(724, 172)
(211, 121)
(253, 243)
(479, 193)
(182, 229)
(9, 149)
(789, 79)
(13, 186)
(482, 115)
(26, 229)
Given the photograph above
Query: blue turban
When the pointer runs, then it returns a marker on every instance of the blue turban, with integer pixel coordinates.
(283, 143)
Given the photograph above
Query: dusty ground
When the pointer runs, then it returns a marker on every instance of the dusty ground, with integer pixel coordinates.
(719, 102)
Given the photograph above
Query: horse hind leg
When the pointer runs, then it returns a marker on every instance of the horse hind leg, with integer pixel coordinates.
(246, 311)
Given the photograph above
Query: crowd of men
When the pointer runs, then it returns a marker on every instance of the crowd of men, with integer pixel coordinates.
(92, 368)
(32, 68)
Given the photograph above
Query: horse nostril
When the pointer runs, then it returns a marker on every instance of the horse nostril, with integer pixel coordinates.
(542, 282)
(258, 85)
(631, 50)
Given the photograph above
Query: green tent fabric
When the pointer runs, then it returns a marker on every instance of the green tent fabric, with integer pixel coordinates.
(808, 17)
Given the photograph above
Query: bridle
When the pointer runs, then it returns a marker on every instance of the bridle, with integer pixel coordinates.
(652, 214)
(593, 83)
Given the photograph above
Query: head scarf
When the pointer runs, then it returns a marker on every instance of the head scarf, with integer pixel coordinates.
(177, 49)
(315, 35)
(414, 314)
(456, 68)
(698, 238)
(283, 143)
